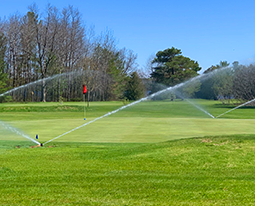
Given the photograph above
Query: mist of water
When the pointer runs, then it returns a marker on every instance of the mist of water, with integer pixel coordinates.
(34, 83)
(169, 89)
(16, 131)
(241, 105)
(195, 105)
(13, 129)
(202, 76)
(200, 108)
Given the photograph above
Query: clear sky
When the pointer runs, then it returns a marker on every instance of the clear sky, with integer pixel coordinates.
(205, 31)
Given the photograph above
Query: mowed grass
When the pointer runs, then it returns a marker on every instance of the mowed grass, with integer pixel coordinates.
(146, 122)
(139, 156)
(198, 171)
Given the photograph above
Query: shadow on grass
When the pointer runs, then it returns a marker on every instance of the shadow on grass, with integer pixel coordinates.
(231, 106)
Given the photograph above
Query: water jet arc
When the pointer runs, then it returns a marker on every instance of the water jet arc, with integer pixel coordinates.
(14, 130)
(138, 101)
(195, 105)
(236, 108)
(204, 76)
(35, 82)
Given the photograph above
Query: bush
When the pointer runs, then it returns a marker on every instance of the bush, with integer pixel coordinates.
(76, 99)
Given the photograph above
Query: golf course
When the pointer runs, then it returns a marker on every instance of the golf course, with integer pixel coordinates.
(127, 103)
(151, 153)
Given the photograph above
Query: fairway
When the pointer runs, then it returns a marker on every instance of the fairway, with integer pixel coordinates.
(196, 171)
(87, 120)
(146, 122)
(152, 153)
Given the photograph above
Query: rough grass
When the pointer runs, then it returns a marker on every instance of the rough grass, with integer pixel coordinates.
(198, 171)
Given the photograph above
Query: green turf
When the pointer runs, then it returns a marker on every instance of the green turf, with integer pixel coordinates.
(127, 158)
(199, 171)
(150, 121)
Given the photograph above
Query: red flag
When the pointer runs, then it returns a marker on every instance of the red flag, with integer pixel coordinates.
(84, 89)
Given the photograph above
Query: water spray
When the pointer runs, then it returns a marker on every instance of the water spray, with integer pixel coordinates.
(201, 76)
(241, 105)
(195, 105)
(35, 82)
(98, 118)
(14, 130)
(138, 101)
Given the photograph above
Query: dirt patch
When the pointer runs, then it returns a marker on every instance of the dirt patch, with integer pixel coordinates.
(223, 143)
(206, 140)
(210, 141)
(35, 146)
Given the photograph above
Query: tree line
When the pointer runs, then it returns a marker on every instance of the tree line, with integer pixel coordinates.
(229, 84)
(39, 45)
(36, 46)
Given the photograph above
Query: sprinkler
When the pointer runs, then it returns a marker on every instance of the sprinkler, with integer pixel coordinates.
(41, 144)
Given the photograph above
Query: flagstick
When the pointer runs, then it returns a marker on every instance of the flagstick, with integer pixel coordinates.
(84, 92)
(84, 112)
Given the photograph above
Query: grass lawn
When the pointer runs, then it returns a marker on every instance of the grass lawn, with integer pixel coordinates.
(142, 155)
(147, 122)
(198, 171)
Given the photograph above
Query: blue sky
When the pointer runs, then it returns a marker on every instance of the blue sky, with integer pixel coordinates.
(205, 31)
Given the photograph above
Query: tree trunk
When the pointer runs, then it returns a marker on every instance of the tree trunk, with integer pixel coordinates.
(44, 91)
(58, 95)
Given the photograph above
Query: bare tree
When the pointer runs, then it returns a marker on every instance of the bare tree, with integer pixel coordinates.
(28, 46)
(46, 31)
(71, 42)
(128, 60)
(244, 83)
(41, 45)
(146, 70)
(12, 32)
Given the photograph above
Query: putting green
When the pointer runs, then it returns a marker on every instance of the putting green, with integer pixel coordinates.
(137, 129)
(146, 122)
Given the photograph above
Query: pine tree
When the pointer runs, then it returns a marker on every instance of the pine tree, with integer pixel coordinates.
(172, 68)
(135, 88)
